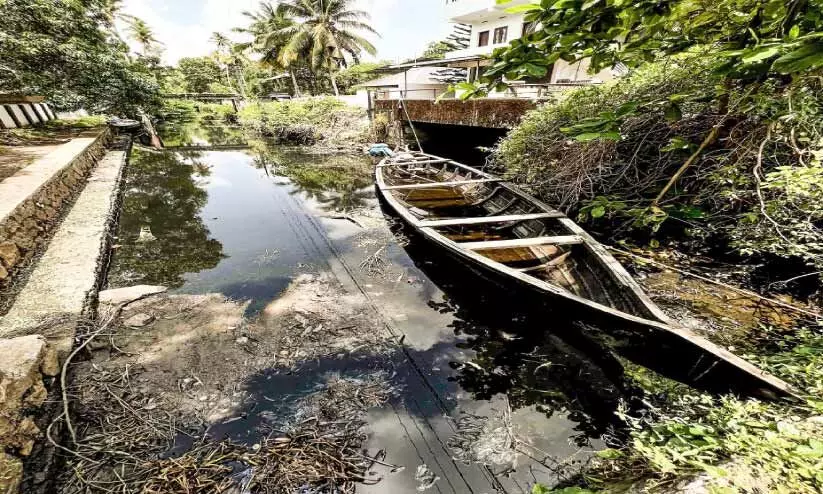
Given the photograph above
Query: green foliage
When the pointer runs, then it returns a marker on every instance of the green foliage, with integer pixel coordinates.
(68, 51)
(605, 153)
(737, 444)
(604, 126)
(311, 40)
(349, 78)
(307, 121)
(541, 489)
(539, 149)
(180, 109)
(199, 73)
(747, 38)
(437, 50)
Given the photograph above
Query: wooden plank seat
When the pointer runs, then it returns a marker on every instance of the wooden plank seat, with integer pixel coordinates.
(490, 219)
(523, 242)
(435, 185)
(413, 162)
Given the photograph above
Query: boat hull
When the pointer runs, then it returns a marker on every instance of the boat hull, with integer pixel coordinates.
(698, 362)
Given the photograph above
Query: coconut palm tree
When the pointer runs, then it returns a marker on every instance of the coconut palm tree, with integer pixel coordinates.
(223, 44)
(141, 33)
(326, 31)
(266, 28)
(233, 58)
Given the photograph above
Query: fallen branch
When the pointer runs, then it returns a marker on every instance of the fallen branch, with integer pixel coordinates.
(758, 184)
(708, 141)
(64, 371)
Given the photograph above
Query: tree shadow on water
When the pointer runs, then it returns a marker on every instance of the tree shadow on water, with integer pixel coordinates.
(161, 235)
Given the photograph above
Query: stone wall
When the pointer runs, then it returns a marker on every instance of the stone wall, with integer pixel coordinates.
(494, 113)
(24, 364)
(29, 226)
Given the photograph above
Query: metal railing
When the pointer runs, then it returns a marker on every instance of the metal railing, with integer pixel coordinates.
(519, 91)
(429, 94)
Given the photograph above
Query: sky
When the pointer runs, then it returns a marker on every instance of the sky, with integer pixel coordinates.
(185, 26)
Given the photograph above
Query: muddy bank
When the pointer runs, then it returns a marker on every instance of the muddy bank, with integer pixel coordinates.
(175, 376)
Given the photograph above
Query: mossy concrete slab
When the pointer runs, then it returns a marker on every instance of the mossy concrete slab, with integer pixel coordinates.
(67, 276)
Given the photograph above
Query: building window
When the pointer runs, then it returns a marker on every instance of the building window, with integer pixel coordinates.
(483, 39)
(529, 27)
(501, 35)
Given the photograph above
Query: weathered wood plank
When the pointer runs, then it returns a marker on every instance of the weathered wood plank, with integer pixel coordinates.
(490, 219)
(413, 162)
(436, 185)
(522, 242)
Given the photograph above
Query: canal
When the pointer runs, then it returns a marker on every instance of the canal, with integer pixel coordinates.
(490, 395)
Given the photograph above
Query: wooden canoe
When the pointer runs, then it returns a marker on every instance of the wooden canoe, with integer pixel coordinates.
(493, 225)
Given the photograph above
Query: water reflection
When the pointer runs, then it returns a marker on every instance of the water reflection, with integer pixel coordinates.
(514, 353)
(232, 222)
(197, 132)
(336, 182)
(161, 235)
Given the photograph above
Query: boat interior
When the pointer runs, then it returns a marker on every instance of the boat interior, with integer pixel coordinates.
(480, 214)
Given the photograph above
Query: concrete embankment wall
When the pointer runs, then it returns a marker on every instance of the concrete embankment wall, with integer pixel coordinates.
(493, 113)
(32, 200)
(60, 293)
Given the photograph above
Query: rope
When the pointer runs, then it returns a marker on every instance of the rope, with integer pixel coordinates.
(411, 124)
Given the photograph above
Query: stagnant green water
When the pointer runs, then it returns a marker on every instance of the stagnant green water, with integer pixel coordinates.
(244, 218)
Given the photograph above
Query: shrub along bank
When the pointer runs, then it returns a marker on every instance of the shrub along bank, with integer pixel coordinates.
(725, 444)
(752, 177)
(315, 121)
(181, 109)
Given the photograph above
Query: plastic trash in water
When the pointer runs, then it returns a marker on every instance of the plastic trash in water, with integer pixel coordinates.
(381, 149)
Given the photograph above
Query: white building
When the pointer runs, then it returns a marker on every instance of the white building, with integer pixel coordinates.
(492, 27)
(413, 83)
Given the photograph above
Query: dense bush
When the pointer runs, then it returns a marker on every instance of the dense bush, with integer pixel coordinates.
(180, 109)
(754, 180)
(307, 121)
(69, 52)
(733, 445)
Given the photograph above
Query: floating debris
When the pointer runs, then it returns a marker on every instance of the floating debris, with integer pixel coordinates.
(146, 235)
(425, 478)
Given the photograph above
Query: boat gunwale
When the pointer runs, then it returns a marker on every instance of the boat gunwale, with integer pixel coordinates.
(614, 269)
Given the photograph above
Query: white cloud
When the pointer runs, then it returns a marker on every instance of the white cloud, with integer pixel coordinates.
(188, 37)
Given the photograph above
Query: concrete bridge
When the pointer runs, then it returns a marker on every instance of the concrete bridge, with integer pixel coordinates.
(490, 113)
(235, 100)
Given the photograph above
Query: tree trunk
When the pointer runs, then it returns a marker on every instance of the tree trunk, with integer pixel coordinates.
(294, 83)
(241, 82)
(334, 84)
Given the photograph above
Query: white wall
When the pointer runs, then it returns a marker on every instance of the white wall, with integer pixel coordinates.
(579, 71)
(514, 23)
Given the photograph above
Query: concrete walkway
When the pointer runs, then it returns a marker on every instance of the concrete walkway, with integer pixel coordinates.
(59, 288)
(34, 198)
